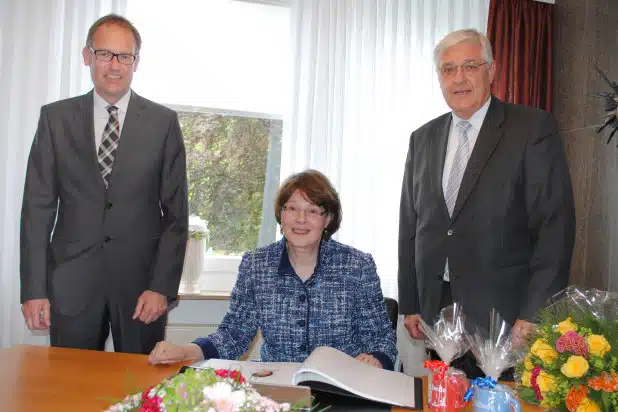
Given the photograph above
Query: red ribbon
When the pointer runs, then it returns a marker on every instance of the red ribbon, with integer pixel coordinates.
(438, 367)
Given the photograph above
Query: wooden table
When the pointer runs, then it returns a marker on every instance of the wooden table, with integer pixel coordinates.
(40, 378)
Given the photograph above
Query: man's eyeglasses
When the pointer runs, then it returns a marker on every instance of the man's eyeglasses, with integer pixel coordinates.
(311, 212)
(107, 56)
(468, 68)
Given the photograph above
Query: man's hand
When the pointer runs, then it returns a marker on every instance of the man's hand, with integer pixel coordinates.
(37, 314)
(369, 360)
(522, 330)
(150, 306)
(412, 324)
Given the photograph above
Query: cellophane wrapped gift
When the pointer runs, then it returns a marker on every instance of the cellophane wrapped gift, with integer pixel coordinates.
(447, 385)
(494, 353)
(571, 362)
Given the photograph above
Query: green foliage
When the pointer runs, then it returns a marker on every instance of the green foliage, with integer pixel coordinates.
(226, 168)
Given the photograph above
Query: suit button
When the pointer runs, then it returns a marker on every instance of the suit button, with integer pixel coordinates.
(108, 206)
(302, 298)
(302, 347)
(107, 239)
(301, 323)
(449, 232)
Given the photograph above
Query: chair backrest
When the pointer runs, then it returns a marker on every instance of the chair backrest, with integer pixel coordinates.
(392, 307)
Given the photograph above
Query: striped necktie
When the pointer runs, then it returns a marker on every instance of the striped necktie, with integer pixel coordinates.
(109, 144)
(459, 166)
(456, 174)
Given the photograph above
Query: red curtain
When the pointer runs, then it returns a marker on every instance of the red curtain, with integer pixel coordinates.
(520, 32)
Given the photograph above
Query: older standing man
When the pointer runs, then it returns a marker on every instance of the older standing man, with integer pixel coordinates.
(105, 213)
(487, 215)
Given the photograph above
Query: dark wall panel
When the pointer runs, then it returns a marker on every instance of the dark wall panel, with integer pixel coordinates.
(586, 33)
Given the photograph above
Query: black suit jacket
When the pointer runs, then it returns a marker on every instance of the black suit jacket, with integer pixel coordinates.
(510, 239)
(120, 241)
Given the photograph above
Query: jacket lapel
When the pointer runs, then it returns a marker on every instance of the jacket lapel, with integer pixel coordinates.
(490, 134)
(439, 153)
(85, 117)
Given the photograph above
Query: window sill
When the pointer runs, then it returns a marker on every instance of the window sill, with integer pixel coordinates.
(205, 295)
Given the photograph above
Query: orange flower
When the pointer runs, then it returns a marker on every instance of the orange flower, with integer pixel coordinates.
(608, 383)
(575, 397)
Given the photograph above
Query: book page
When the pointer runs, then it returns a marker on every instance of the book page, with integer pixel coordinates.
(334, 367)
(266, 373)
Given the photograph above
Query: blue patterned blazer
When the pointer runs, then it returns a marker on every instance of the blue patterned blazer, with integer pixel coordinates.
(340, 305)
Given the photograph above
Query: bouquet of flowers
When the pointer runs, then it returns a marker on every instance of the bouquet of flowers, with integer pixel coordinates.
(447, 385)
(207, 390)
(571, 362)
(198, 228)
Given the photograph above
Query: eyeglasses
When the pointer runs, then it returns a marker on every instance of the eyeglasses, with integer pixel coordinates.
(468, 68)
(311, 212)
(107, 56)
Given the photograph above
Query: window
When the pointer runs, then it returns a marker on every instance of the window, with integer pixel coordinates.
(222, 65)
(233, 171)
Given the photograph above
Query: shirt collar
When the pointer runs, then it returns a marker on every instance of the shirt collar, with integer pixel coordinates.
(285, 266)
(122, 104)
(477, 118)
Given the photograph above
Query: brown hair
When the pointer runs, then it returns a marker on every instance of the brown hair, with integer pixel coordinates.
(318, 190)
(118, 21)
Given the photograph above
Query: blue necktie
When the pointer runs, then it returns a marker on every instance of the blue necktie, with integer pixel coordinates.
(456, 174)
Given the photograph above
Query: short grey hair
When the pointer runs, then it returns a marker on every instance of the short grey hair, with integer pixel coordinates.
(459, 36)
(115, 19)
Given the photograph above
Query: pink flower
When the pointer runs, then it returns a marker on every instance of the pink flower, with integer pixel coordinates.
(535, 374)
(572, 342)
(150, 403)
(224, 398)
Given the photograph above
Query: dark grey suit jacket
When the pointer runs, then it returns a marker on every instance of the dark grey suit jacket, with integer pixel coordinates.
(120, 241)
(510, 239)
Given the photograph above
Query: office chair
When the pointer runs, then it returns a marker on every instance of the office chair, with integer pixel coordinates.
(392, 308)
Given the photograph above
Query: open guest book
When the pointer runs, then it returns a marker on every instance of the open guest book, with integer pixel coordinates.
(332, 371)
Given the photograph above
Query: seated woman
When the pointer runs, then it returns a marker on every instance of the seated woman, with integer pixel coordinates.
(304, 291)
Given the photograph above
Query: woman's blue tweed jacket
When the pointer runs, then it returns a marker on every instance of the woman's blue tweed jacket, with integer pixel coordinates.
(340, 305)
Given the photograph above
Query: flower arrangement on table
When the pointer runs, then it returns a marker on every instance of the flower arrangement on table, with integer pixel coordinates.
(571, 362)
(201, 390)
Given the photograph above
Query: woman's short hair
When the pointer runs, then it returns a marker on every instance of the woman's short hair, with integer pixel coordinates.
(318, 190)
(118, 20)
(459, 36)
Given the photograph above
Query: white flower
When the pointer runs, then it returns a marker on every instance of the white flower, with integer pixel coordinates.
(197, 224)
(224, 397)
(268, 405)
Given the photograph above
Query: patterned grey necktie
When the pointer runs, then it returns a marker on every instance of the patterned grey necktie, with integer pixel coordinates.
(109, 144)
(459, 166)
(456, 174)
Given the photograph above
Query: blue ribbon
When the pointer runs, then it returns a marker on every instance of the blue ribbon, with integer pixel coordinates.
(479, 383)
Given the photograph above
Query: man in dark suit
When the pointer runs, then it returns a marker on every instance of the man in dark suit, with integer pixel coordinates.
(105, 213)
(487, 215)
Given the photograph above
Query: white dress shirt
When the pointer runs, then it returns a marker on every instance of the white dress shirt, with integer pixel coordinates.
(101, 115)
(476, 121)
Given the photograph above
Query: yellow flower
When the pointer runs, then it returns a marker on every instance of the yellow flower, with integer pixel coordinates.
(588, 405)
(525, 378)
(544, 351)
(546, 382)
(575, 367)
(566, 326)
(598, 345)
(528, 363)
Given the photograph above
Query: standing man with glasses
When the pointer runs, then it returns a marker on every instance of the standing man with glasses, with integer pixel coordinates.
(105, 214)
(487, 215)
